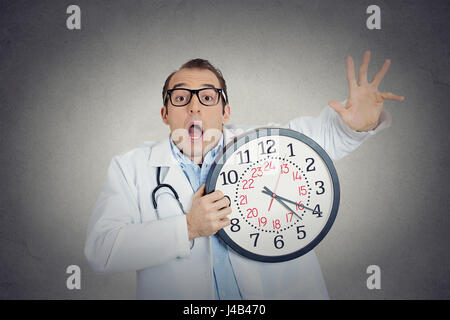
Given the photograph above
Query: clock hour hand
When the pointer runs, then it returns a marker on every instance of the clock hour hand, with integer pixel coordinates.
(267, 191)
(282, 203)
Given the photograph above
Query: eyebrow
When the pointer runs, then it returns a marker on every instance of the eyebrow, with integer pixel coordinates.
(178, 85)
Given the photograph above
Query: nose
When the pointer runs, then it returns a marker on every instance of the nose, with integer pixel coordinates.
(194, 105)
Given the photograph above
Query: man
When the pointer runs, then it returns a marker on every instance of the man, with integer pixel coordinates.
(152, 215)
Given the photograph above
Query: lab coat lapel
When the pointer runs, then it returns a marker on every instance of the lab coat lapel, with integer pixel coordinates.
(178, 180)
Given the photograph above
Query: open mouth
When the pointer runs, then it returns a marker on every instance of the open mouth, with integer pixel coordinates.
(195, 131)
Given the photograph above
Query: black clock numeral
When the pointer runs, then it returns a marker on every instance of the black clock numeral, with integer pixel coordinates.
(232, 177)
(256, 238)
(291, 148)
(310, 166)
(317, 211)
(247, 153)
(270, 149)
(320, 185)
(235, 227)
(278, 241)
(301, 234)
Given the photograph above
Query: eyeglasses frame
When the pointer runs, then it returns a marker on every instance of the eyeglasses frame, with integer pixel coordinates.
(196, 92)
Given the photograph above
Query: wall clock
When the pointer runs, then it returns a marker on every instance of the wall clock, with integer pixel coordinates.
(284, 193)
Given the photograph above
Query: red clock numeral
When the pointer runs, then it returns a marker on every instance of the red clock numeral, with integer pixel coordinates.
(296, 175)
(250, 182)
(289, 216)
(252, 213)
(268, 166)
(262, 221)
(302, 190)
(243, 199)
(300, 206)
(257, 172)
(284, 166)
(276, 224)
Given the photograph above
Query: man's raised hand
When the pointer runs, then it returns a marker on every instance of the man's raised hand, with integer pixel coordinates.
(365, 104)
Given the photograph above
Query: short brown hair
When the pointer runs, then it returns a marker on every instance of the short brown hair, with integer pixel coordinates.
(198, 64)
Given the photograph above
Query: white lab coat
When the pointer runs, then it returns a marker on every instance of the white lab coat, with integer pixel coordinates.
(125, 233)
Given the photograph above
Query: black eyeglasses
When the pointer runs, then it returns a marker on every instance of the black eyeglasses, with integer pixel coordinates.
(181, 97)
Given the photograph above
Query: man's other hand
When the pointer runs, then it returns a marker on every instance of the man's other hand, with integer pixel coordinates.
(208, 213)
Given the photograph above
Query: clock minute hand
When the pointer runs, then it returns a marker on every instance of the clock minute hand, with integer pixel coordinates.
(284, 199)
(282, 203)
(290, 201)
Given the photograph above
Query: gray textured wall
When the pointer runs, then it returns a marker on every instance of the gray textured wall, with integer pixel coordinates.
(70, 100)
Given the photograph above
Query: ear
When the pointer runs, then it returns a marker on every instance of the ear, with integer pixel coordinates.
(164, 115)
(226, 114)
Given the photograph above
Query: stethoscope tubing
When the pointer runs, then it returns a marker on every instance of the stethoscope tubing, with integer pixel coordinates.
(165, 185)
(160, 186)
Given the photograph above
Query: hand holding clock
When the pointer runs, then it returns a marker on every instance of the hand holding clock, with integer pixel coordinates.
(208, 213)
(365, 104)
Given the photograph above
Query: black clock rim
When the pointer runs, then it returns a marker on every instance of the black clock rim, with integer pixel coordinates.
(269, 131)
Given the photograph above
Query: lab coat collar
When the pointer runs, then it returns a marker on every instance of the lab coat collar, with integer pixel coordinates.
(161, 154)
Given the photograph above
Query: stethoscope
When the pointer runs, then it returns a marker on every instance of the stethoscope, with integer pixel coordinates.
(164, 185)
(174, 193)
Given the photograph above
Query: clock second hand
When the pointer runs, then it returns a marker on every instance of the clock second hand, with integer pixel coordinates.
(276, 185)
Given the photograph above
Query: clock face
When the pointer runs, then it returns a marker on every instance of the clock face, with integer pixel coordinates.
(283, 190)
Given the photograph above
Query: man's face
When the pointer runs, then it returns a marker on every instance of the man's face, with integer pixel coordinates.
(195, 128)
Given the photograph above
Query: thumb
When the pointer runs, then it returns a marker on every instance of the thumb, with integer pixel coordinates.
(391, 96)
(200, 192)
(337, 106)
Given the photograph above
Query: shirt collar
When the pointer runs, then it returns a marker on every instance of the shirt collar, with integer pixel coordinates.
(207, 159)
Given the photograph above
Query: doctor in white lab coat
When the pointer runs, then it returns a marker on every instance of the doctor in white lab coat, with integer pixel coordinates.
(126, 233)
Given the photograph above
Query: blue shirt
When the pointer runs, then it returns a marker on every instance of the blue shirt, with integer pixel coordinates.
(225, 283)
(196, 175)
